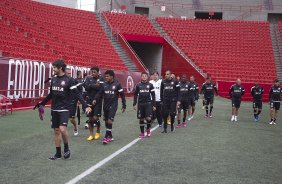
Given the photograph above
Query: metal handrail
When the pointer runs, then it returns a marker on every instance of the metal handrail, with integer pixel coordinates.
(133, 52)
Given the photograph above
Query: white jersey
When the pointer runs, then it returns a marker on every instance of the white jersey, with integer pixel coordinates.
(157, 87)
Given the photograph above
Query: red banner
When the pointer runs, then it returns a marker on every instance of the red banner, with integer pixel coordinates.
(24, 80)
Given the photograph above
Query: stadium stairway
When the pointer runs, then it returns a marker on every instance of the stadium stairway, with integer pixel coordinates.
(277, 48)
(171, 42)
(117, 46)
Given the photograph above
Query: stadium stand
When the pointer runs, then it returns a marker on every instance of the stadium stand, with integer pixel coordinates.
(131, 24)
(44, 32)
(225, 49)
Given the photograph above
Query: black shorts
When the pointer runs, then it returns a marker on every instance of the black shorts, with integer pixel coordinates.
(275, 105)
(59, 118)
(96, 109)
(72, 110)
(110, 112)
(183, 105)
(209, 101)
(169, 107)
(145, 110)
(257, 104)
(236, 103)
(191, 102)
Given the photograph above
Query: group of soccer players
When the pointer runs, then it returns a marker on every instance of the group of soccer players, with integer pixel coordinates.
(155, 99)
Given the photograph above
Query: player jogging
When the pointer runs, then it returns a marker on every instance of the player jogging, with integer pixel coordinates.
(144, 96)
(157, 86)
(208, 90)
(169, 97)
(257, 92)
(184, 88)
(110, 92)
(236, 92)
(92, 85)
(60, 92)
(274, 100)
(192, 97)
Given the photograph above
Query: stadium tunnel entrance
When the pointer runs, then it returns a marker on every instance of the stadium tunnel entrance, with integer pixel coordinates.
(150, 54)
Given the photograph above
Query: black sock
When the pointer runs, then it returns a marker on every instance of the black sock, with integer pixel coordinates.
(271, 119)
(58, 152)
(98, 125)
(110, 130)
(184, 119)
(172, 117)
(141, 126)
(207, 110)
(66, 147)
(211, 107)
(149, 124)
(259, 111)
(165, 123)
(178, 121)
(274, 119)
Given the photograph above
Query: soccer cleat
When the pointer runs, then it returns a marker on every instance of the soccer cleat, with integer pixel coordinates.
(271, 122)
(141, 136)
(210, 115)
(67, 154)
(75, 132)
(105, 141)
(90, 138)
(110, 139)
(233, 118)
(206, 116)
(274, 123)
(55, 157)
(164, 131)
(97, 136)
(148, 133)
(86, 126)
(191, 117)
(184, 124)
(178, 126)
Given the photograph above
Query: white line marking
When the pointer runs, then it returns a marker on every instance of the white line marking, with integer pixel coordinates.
(105, 160)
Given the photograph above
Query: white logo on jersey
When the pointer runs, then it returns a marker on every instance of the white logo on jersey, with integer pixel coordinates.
(129, 84)
(63, 83)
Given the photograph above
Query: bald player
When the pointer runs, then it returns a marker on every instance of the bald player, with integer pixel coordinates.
(236, 92)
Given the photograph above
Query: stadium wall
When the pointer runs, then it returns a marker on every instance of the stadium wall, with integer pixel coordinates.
(27, 82)
(64, 3)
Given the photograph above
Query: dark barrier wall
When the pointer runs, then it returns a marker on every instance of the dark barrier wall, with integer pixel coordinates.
(23, 80)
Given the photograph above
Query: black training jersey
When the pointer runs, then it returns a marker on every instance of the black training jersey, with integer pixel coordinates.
(184, 88)
(79, 81)
(257, 93)
(145, 92)
(236, 91)
(110, 92)
(62, 90)
(92, 86)
(169, 90)
(208, 90)
(194, 91)
(275, 93)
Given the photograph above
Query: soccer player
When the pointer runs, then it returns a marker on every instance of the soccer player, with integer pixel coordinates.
(275, 93)
(208, 90)
(257, 92)
(60, 93)
(79, 80)
(73, 104)
(144, 91)
(157, 86)
(236, 92)
(192, 97)
(183, 104)
(110, 92)
(92, 85)
(169, 97)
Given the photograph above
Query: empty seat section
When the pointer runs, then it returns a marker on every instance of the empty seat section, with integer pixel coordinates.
(131, 24)
(225, 49)
(59, 32)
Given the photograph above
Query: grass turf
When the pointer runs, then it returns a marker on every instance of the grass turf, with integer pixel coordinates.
(206, 151)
